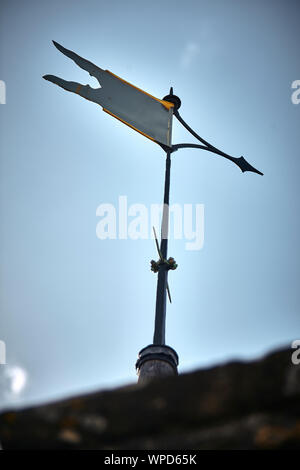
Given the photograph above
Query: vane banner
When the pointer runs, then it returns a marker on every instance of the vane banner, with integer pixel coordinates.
(138, 109)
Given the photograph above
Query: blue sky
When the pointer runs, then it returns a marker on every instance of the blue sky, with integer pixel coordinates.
(75, 310)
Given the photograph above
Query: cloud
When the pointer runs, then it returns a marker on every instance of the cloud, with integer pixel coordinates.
(18, 379)
(12, 382)
(189, 54)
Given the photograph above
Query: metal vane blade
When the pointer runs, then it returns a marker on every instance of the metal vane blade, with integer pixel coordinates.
(136, 108)
(157, 245)
(169, 294)
(161, 258)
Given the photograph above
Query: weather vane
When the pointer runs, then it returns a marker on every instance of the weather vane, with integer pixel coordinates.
(151, 117)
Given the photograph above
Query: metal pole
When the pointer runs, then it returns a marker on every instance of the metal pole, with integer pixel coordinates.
(161, 291)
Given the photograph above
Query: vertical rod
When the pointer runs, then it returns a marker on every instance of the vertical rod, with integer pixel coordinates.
(161, 291)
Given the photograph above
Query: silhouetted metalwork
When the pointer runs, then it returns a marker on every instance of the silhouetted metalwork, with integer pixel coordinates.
(151, 117)
(240, 162)
(160, 315)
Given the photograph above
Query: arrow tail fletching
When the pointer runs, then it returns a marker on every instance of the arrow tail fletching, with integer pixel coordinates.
(169, 294)
(157, 245)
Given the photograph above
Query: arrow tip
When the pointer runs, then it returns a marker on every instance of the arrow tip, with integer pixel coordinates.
(245, 166)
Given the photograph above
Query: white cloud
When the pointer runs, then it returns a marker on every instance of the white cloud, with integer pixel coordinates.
(13, 380)
(189, 54)
(18, 379)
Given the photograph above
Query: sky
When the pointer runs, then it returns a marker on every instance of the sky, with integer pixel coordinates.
(74, 309)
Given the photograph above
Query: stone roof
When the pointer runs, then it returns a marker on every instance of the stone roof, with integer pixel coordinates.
(239, 405)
